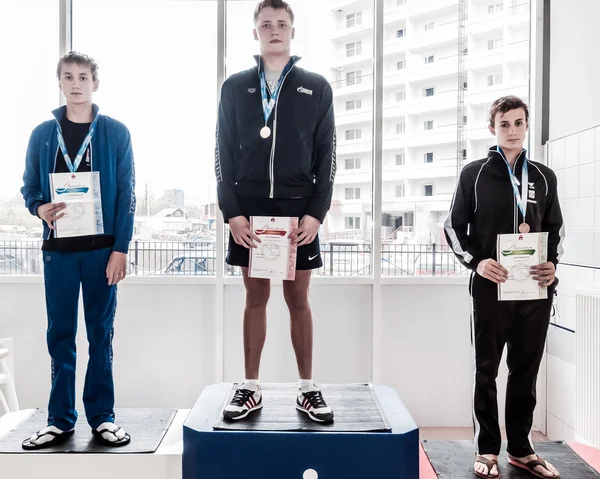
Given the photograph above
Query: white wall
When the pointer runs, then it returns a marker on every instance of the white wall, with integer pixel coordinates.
(574, 154)
(574, 69)
(576, 162)
(164, 348)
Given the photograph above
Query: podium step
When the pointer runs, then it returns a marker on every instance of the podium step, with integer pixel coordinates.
(298, 453)
(164, 463)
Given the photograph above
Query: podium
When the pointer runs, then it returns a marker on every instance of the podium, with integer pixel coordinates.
(285, 444)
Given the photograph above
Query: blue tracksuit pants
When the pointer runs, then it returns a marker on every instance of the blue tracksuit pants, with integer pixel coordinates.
(64, 274)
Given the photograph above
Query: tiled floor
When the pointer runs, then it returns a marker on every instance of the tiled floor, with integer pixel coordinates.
(463, 433)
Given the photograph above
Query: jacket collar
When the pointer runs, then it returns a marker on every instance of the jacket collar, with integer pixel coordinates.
(261, 64)
(61, 111)
(495, 153)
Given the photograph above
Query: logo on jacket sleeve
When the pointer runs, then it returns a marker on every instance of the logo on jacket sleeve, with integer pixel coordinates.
(304, 90)
(251, 90)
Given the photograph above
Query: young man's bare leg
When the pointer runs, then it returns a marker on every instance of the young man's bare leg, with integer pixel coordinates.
(255, 322)
(248, 396)
(301, 324)
(309, 399)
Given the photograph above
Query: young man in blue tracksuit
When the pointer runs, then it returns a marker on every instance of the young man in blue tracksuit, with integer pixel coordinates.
(80, 141)
(275, 156)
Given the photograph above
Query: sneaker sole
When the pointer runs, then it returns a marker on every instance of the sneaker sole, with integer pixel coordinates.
(237, 418)
(311, 416)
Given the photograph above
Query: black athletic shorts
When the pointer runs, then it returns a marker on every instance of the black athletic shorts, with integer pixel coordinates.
(307, 257)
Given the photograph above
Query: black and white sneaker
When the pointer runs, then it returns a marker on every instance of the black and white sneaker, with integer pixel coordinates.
(243, 403)
(313, 404)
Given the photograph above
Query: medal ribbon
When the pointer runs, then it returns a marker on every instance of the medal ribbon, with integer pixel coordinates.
(73, 166)
(522, 198)
(269, 104)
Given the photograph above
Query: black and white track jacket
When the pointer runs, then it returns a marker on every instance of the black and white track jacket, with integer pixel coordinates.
(484, 206)
(298, 159)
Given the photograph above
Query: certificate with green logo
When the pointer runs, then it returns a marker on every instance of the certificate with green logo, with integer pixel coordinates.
(518, 253)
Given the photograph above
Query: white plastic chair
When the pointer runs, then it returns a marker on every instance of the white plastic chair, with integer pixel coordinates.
(9, 400)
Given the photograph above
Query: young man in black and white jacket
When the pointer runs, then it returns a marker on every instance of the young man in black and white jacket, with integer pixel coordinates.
(490, 199)
(275, 156)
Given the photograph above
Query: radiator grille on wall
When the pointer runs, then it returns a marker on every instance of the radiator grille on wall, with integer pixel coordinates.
(587, 364)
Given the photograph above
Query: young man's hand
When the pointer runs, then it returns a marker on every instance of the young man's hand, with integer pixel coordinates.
(544, 273)
(306, 232)
(241, 232)
(117, 267)
(492, 270)
(51, 212)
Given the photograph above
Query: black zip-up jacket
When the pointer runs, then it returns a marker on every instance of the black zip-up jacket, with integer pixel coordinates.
(298, 159)
(484, 206)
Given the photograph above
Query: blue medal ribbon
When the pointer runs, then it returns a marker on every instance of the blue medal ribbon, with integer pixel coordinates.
(269, 104)
(521, 198)
(73, 166)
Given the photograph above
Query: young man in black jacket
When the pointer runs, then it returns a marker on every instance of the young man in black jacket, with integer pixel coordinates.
(275, 156)
(488, 201)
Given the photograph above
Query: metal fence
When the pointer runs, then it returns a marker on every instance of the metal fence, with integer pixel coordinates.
(198, 258)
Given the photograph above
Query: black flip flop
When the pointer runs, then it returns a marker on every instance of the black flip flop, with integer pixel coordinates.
(105, 442)
(59, 438)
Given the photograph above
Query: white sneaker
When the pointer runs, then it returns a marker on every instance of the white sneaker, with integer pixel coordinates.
(313, 404)
(243, 403)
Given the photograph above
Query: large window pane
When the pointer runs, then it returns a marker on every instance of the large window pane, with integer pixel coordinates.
(158, 75)
(421, 160)
(29, 53)
(341, 50)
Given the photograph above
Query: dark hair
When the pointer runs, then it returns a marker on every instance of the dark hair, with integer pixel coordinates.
(80, 59)
(507, 103)
(275, 4)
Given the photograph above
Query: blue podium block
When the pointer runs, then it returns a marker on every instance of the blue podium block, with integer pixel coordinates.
(255, 454)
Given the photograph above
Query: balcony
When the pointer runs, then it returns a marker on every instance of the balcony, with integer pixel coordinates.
(355, 206)
(341, 4)
(517, 52)
(518, 14)
(354, 33)
(394, 79)
(486, 59)
(440, 102)
(395, 14)
(396, 110)
(439, 202)
(397, 45)
(355, 146)
(484, 25)
(347, 177)
(441, 68)
(344, 87)
(366, 56)
(352, 117)
(479, 133)
(438, 169)
(438, 136)
(427, 7)
(438, 36)
(395, 142)
(487, 95)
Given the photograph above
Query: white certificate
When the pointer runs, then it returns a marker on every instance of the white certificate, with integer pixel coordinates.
(80, 192)
(275, 257)
(518, 253)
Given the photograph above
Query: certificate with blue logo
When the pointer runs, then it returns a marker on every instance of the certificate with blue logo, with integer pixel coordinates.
(81, 193)
(518, 253)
